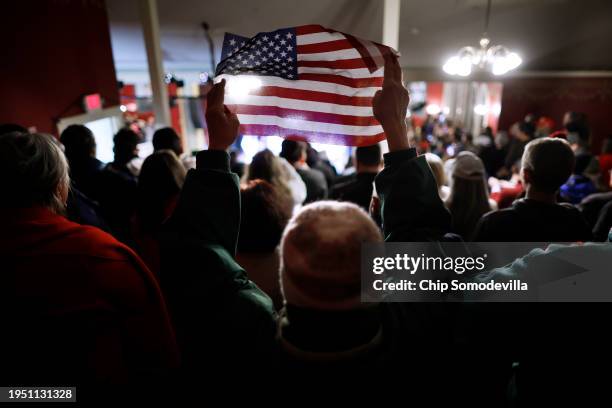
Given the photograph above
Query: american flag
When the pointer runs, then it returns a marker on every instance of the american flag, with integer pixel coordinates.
(304, 83)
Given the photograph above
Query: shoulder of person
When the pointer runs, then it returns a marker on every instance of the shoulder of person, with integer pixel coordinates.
(570, 208)
(339, 188)
(93, 242)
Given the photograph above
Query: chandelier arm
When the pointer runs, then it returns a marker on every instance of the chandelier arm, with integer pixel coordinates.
(487, 16)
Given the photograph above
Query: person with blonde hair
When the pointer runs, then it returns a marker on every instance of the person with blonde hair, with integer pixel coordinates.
(437, 167)
(276, 171)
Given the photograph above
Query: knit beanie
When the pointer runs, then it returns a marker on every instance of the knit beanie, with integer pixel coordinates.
(468, 166)
(321, 255)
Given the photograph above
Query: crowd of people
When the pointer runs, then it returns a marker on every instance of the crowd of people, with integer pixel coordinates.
(170, 272)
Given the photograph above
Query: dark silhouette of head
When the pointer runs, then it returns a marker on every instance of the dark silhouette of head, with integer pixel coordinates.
(368, 156)
(264, 215)
(160, 181)
(12, 127)
(167, 138)
(547, 163)
(126, 146)
(293, 151)
(79, 143)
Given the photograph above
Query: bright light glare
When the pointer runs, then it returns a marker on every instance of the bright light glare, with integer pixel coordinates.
(432, 109)
(240, 86)
(496, 109)
(336, 154)
(465, 66)
(481, 109)
(502, 65)
(458, 66)
(514, 60)
(451, 66)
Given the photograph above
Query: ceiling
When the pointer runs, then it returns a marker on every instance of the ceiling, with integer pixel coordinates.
(548, 34)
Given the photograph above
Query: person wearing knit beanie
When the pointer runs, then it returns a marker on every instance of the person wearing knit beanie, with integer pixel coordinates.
(319, 266)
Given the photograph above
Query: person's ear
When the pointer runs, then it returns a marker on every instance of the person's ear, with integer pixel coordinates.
(526, 175)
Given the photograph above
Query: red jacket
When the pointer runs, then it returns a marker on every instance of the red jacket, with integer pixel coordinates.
(78, 306)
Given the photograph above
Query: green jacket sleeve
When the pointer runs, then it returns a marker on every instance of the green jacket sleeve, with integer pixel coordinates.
(411, 208)
(217, 311)
(209, 208)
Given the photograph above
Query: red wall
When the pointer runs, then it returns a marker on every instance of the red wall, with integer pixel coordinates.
(553, 97)
(52, 53)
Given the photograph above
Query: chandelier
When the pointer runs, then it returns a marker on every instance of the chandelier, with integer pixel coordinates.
(494, 58)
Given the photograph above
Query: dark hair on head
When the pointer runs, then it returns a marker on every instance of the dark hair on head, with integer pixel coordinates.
(266, 166)
(79, 142)
(161, 179)
(312, 156)
(264, 215)
(263, 166)
(126, 141)
(578, 124)
(369, 155)
(606, 148)
(32, 167)
(167, 138)
(527, 128)
(550, 162)
(12, 127)
(292, 150)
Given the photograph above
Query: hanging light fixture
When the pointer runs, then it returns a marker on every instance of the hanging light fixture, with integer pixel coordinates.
(494, 58)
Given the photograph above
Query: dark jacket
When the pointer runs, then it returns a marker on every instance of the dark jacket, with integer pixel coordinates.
(533, 221)
(85, 174)
(316, 186)
(411, 208)
(79, 307)
(357, 190)
(117, 188)
(601, 230)
(224, 322)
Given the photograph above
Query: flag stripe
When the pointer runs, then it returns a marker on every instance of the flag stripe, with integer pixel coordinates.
(352, 82)
(312, 85)
(309, 126)
(291, 103)
(348, 73)
(314, 96)
(328, 46)
(321, 137)
(364, 52)
(318, 38)
(310, 29)
(353, 63)
(304, 115)
(330, 56)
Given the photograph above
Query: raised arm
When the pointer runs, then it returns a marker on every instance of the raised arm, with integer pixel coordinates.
(209, 207)
(411, 208)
